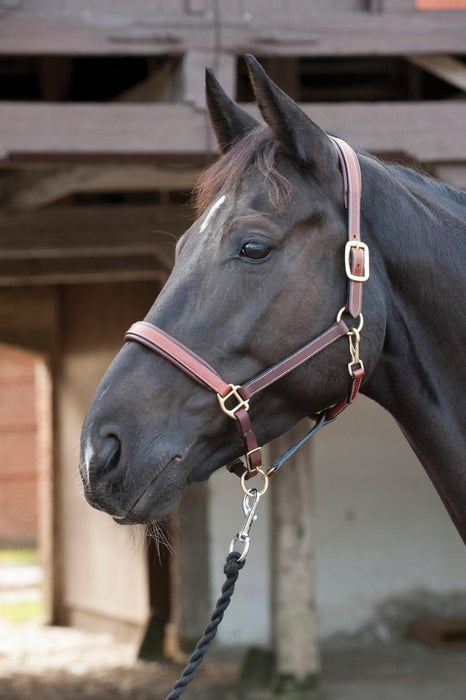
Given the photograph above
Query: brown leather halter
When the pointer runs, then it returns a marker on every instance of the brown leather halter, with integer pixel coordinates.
(234, 399)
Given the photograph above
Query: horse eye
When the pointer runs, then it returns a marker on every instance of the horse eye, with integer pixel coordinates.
(255, 250)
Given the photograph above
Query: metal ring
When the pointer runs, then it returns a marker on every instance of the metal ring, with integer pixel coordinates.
(252, 492)
(244, 542)
(361, 319)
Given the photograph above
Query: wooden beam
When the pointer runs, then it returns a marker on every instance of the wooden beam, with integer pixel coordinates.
(141, 178)
(293, 599)
(299, 31)
(448, 68)
(157, 87)
(194, 64)
(104, 132)
(192, 71)
(83, 270)
(89, 244)
(45, 486)
(427, 131)
(36, 188)
(191, 600)
(30, 188)
(69, 229)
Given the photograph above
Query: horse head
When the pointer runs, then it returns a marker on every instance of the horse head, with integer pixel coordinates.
(258, 273)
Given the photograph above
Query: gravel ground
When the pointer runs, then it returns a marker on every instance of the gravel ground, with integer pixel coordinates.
(52, 663)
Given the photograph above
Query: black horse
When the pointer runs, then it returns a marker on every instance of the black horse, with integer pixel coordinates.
(260, 273)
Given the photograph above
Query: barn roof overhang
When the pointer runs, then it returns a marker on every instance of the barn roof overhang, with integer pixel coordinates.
(48, 151)
(54, 151)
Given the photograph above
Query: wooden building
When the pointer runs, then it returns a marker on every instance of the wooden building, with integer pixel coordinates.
(103, 131)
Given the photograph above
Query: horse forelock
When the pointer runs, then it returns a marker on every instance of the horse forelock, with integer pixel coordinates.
(257, 149)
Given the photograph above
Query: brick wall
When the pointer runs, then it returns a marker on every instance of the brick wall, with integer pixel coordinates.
(18, 429)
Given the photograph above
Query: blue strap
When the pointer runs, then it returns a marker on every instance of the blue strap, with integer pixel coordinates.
(321, 422)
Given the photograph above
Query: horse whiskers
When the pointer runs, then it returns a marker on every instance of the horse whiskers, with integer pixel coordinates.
(159, 533)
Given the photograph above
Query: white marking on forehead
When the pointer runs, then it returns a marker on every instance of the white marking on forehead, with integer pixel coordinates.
(212, 211)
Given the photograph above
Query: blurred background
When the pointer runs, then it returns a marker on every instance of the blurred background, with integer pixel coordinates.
(103, 132)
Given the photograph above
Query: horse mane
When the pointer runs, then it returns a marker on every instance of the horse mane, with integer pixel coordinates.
(421, 183)
(258, 148)
(417, 180)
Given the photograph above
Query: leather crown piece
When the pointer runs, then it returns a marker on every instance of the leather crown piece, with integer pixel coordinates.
(234, 399)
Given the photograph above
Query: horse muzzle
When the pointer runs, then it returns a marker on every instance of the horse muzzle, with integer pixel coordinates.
(126, 484)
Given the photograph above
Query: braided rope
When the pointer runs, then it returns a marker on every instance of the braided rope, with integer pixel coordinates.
(231, 569)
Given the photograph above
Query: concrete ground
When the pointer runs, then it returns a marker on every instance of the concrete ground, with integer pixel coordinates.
(40, 663)
(402, 671)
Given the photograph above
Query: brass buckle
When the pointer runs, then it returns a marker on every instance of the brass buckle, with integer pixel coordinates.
(242, 403)
(362, 246)
(251, 468)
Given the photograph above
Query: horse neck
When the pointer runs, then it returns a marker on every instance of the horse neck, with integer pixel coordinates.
(414, 228)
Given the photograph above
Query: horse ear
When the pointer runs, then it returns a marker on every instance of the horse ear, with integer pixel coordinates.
(229, 122)
(296, 132)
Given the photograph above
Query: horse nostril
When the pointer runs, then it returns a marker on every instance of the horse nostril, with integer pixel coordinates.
(102, 456)
(110, 453)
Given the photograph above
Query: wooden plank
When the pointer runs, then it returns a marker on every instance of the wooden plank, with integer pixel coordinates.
(84, 270)
(448, 68)
(397, 5)
(116, 131)
(83, 229)
(299, 31)
(427, 131)
(293, 603)
(145, 10)
(357, 34)
(89, 244)
(141, 178)
(194, 64)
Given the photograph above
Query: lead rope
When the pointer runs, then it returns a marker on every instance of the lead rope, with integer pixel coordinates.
(233, 565)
